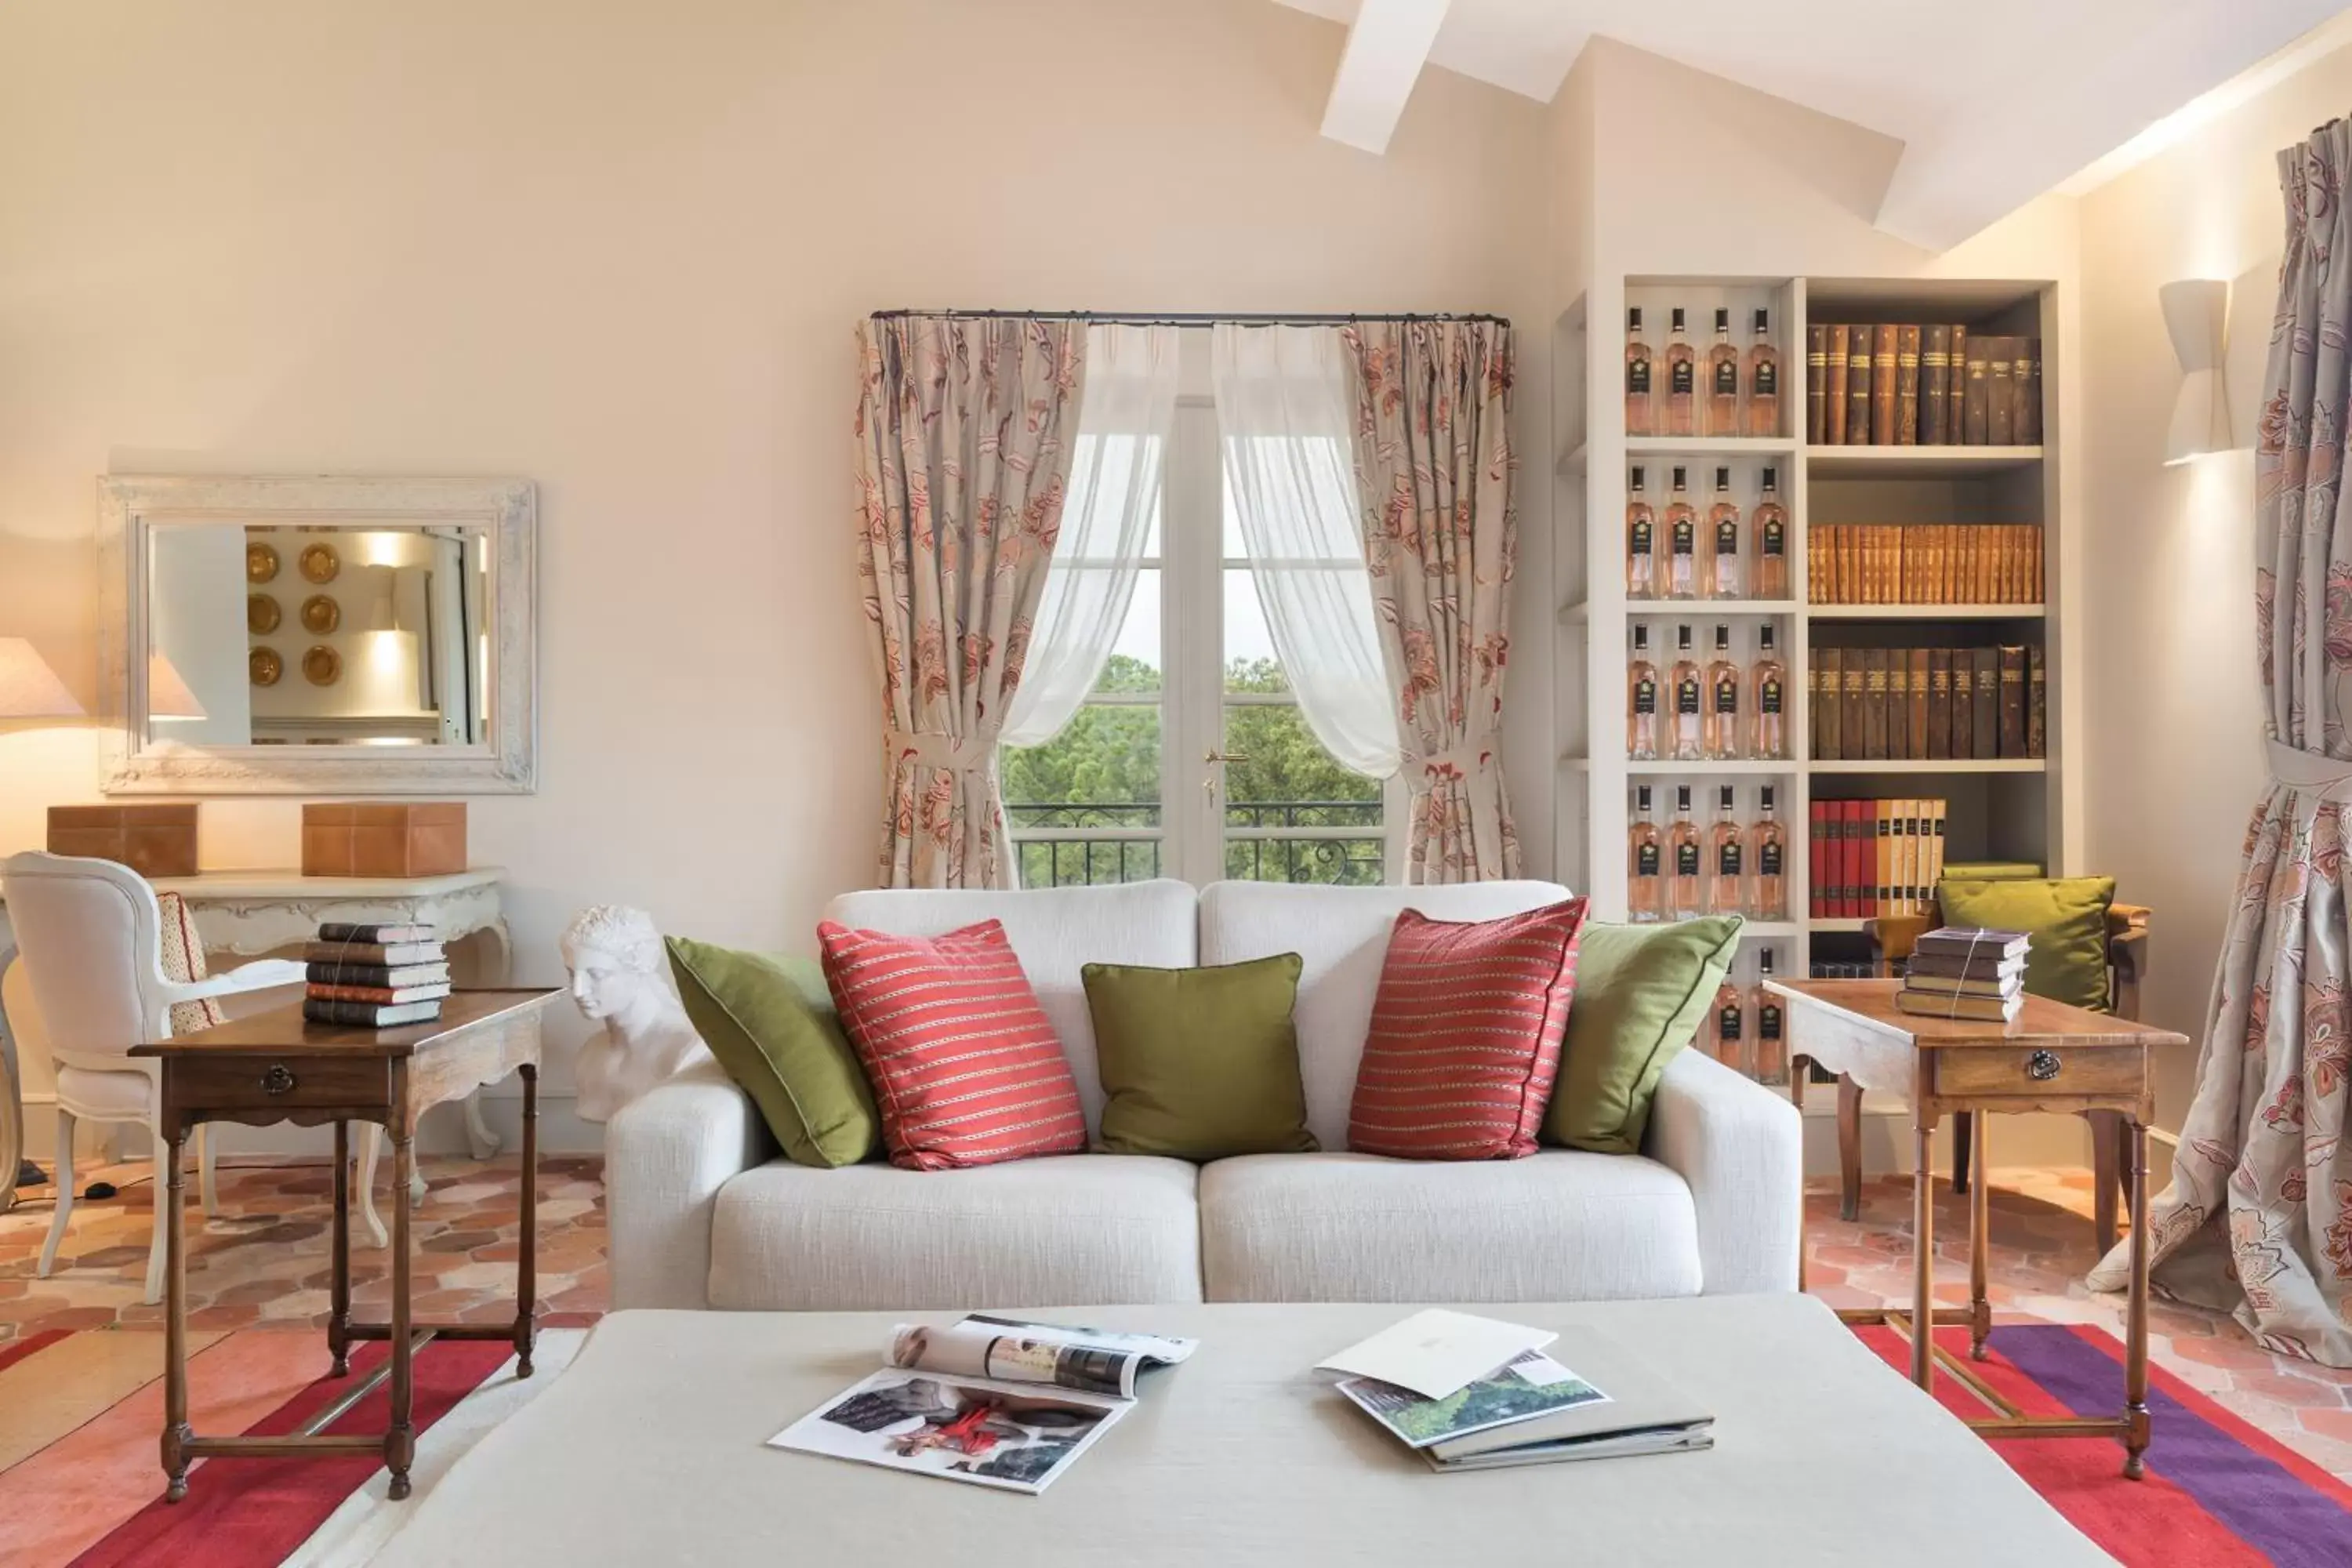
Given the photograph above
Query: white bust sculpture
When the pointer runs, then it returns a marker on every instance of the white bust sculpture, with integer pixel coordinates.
(614, 955)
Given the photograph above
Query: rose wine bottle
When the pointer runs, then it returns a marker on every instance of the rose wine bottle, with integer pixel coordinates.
(1727, 1034)
(1723, 541)
(1641, 701)
(1719, 736)
(1682, 384)
(1769, 679)
(1722, 380)
(1727, 890)
(1645, 895)
(1686, 741)
(1763, 380)
(1768, 860)
(1683, 873)
(1641, 400)
(1640, 545)
(1769, 526)
(1772, 1056)
(1682, 541)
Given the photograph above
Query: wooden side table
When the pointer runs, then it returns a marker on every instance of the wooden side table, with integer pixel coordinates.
(2053, 1057)
(276, 1066)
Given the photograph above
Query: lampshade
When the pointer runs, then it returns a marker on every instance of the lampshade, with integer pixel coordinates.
(29, 689)
(168, 696)
(2196, 313)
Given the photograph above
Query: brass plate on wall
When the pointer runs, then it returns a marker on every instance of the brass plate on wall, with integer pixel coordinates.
(264, 665)
(320, 563)
(320, 614)
(260, 562)
(322, 666)
(262, 614)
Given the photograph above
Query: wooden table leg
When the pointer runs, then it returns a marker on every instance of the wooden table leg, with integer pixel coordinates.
(1979, 1237)
(176, 1431)
(1923, 1262)
(400, 1434)
(1849, 1138)
(2136, 1438)
(527, 1256)
(338, 1279)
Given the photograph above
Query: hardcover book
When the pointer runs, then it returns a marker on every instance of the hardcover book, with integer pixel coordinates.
(1972, 942)
(1939, 704)
(1883, 368)
(1857, 385)
(382, 995)
(394, 954)
(1817, 858)
(1915, 747)
(1990, 1010)
(1898, 706)
(2037, 702)
(1974, 411)
(1934, 386)
(2001, 392)
(369, 1014)
(1817, 383)
(1850, 724)
(2028, 377)
(377, 975)
(1956, 381)
(1833, 398)
(2012, 701)
(1827, 707)
(1873, 707)
(1907, 385)
(1984, 739)
(337, 931)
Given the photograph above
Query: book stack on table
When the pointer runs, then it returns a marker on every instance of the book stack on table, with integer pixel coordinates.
(1966, 973)
(375, 976)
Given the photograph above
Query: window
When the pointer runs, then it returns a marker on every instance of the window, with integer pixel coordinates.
(1191, 758)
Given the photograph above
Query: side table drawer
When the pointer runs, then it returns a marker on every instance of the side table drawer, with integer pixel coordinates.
(283, 1083)
(2053, 1071)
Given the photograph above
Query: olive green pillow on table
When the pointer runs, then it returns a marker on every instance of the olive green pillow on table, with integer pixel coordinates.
(769, 1021)
(1199, 1064)
(2065, 916)
(1640, 991)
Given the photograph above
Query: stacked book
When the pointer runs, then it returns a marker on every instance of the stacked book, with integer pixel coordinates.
(1904, 385)
(1930, 704)
(374, 976)
(1966, 973)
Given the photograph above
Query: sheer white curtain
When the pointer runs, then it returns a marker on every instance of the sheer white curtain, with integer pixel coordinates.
(1286, 408)
(1124, 423)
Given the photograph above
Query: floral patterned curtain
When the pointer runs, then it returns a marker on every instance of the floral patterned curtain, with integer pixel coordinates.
(1433, 453)
(2259, 1216)
(966, 428)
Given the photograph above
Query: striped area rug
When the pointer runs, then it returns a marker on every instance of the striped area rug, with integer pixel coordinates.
(2218, 1493)
(80, 1482)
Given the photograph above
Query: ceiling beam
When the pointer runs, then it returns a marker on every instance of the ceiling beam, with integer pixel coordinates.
(1387, 45)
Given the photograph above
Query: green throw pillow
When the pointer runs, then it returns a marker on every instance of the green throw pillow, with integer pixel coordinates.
(1640, 991)
(2065, 916)
(1199, 1064)
(769, 1022)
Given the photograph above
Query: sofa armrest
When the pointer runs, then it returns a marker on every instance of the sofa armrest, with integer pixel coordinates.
(666, 1154)
(1742, 1149)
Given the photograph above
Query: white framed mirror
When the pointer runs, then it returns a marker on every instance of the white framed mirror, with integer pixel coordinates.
(318, 636)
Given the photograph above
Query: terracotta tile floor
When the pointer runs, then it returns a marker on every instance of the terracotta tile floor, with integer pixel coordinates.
(263, 1263)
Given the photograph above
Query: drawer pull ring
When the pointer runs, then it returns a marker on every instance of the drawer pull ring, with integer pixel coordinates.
(278, 1079)
(2043, 1065)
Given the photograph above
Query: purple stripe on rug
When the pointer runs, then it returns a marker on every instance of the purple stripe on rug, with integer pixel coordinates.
(2270, 1509)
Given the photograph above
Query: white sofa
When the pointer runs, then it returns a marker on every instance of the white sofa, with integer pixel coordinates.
(705, 1213)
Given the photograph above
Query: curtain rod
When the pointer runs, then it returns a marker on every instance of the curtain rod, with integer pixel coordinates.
(1192, 318)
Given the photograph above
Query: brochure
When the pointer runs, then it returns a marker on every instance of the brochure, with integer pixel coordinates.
(1532, 1385)
(995, 1401)
(1437, 1353)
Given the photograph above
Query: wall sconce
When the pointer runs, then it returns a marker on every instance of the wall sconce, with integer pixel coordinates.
(29, 689)
(2196, 315)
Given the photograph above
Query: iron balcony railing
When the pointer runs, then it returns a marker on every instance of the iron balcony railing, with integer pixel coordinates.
(1089, 843)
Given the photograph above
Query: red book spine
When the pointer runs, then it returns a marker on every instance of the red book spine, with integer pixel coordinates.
(1851, 844)
(1817, 858)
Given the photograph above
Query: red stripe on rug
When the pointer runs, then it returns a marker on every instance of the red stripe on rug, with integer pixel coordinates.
(2147, 1523)
(16, 1350)
(252, 1513)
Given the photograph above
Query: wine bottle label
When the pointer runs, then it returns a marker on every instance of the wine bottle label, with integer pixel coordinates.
(1767, 859)
(1645, 697)
(1645, 860)
(1727, 538)
(1727, 697)
(1638, 538)
(1767, 697)
(1767, 1020)
(1686, 697)
(1768, 378)
(1681, 377)
(1775, 539)
(1726, 1022)
(1637, 378)
(1727, 860)
(1685, 536)
(1727, 378)
(1686, 860)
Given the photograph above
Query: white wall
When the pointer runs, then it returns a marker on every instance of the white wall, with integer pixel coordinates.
(2175, 735)
(620, 250)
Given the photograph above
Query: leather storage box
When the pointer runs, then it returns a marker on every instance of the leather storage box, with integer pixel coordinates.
(156, 841)
(384, 838)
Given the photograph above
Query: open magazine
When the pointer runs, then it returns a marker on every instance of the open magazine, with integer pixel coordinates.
(995, 1401)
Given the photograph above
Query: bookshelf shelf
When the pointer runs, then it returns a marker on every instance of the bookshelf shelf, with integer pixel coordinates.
(1743, 767)
(1927, 611)
(1702, 609)
(1641, 447)
(1834, 923)
(1986, 765)
(1915, 462)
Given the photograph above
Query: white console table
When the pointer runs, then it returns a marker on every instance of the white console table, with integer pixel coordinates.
(247, 914)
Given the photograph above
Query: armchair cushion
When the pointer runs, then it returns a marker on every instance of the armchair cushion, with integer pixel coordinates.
(183, 961)
(2067, 917)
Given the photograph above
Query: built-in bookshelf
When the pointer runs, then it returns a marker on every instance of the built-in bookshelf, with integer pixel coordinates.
(1996, 806)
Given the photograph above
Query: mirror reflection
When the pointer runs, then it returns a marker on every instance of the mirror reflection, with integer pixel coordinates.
(318, 637)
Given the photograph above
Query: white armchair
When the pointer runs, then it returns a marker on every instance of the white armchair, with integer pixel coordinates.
(91, 934)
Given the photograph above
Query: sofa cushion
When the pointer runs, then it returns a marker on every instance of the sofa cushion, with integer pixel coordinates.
(1559, 1226)
(1055, 932)
(1641, 993)
(1341, 936)
(964, 1067)
(1075, 1230)
(1199, 1064)
(771, 1024)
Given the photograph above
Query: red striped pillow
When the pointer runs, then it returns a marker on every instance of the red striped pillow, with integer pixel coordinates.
(965, 1067)
(1466, 1036)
